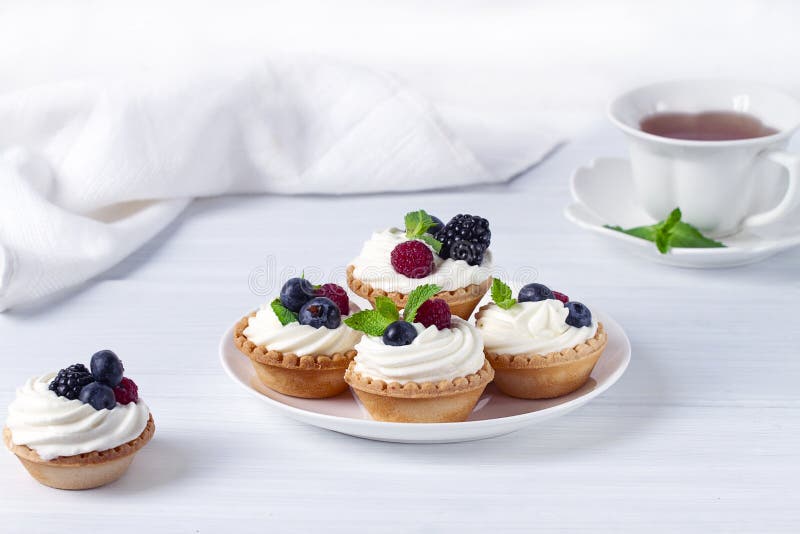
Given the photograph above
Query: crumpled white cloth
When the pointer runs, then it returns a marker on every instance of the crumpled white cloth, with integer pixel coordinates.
(92, 169)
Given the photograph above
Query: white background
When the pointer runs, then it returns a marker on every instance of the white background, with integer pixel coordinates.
(702, 433)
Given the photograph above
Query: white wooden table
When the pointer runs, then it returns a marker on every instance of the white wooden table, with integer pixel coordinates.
(702, 433)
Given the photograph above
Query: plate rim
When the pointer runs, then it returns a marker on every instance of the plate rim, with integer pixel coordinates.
(227, 338)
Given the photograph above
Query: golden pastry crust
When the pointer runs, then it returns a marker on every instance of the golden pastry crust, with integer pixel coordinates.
(95, 457)
(413, 390)
(546, 376)
(462, 301)
(261, 354)
(534, 360)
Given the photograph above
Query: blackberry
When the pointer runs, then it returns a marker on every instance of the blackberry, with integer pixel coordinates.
(468, 251)
(70, 381)
(470, 228)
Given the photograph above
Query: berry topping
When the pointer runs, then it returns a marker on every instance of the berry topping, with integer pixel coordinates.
(70, 381)
(465, 228)
(126, 392)
(107, 368)
(337, 294)
(534, 293)
(467, 251)
(99, 396)
(399, 333)
(413, 259)
(318, 312)
(437, 225)
(434, 312)
(296, 292)
(579, 314)
(560, 296)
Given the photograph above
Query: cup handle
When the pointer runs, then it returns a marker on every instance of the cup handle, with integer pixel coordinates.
(792, 196)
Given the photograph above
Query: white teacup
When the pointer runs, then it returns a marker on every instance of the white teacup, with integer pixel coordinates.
(720, 186)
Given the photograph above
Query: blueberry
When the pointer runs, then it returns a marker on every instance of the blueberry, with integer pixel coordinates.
(436, 227)
(296, 292)
(99, 396)
(579, 314)
(399, 333)
(107, 368)
(320, 311)
(534, 293)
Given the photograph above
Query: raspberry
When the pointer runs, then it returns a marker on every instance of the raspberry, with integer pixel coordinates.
(126, 392)
(70, 381)
(413, 259)
(337, 294)
(561, 296)
(434, 312)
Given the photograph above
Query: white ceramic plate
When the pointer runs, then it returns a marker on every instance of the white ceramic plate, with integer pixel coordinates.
(603, 194)
(494, 415)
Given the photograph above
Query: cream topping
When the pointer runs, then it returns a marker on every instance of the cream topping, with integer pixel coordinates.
(530, 327)
(374, 266)
(265, 329)
(56, 426)
(434, 355)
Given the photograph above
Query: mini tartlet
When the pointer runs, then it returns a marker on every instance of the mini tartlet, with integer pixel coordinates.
(455, 256)
(79, 429)
(298, 344)
(428, 367)
(541, 345)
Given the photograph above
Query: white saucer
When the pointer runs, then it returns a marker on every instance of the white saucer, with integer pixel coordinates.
(603, 194)
(495, 414)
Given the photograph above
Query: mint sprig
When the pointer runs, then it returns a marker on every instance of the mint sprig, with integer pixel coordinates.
(670, 233)
(416, 298)
(385, 306)
(284, 314)
(417, 225)
(371, 322)
(501, 294)
(374, 322)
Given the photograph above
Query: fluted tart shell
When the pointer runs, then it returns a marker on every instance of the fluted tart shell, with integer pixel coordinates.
(311, 376)
(447, 401)
(545, 376)
(462, 301)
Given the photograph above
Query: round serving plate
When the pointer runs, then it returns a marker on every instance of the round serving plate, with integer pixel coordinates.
(494, 415)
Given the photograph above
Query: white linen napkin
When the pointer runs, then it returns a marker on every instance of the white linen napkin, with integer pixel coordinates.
(92, 169)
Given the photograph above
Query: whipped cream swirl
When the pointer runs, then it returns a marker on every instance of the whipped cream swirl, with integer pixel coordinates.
(434, 355)
(530, 327)
(264, 328)
(374, 266)
(55, 426)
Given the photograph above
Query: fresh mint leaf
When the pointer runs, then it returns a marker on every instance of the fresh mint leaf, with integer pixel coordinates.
(671, 233)
(685, 235)
(416, 298)
(432, 242)
(371, 322)
(643, 232)
(417, 225)
(386, 307)
(284, 314)
(673, 219)
(501, 294)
